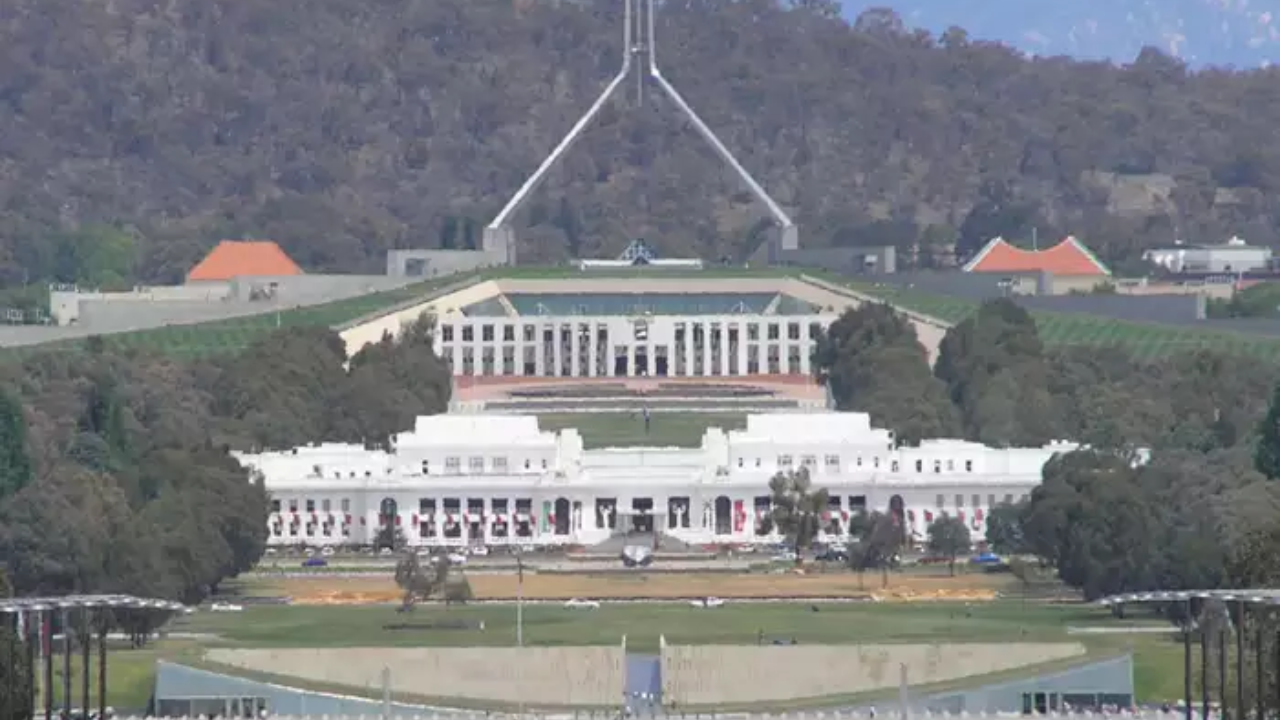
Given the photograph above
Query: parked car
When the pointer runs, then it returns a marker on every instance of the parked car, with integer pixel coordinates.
(580, 604)
(710, 602)
(226, 607)
(315, 562)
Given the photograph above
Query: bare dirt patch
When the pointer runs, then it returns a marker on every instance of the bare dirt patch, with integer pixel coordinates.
(360, 590)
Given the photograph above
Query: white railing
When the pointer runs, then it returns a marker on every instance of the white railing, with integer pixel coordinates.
(865, 714)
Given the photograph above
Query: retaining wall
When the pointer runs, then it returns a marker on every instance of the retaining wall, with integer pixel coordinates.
(559, 676)
(712, 675)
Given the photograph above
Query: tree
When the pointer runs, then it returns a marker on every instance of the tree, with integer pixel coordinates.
(1267, 457)
(871, 361)
(948, 537)
(875, 539)
(797, 508)
(14, 677)
(1004, 528)
(15, 463)
(419, 582)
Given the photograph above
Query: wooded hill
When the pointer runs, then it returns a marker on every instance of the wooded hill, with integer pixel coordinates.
(344, 129)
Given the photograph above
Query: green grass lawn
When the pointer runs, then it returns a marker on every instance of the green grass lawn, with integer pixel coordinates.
(627, 429)
(1143, 340)
(130, 676)
(1157, 656)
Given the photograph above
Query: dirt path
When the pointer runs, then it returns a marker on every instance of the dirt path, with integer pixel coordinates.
(336, 590)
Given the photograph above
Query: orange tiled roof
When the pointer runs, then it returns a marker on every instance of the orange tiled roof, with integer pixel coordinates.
(235, 258)
(1069, 257)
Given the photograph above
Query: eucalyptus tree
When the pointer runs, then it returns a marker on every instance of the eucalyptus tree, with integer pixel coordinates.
(797, 507)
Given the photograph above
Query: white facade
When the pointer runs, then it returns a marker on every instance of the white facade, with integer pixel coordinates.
(611, 345)
(1234, 256)
(482, 479)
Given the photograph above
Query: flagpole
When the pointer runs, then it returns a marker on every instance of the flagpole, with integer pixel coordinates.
(519, 602)
(520, 631)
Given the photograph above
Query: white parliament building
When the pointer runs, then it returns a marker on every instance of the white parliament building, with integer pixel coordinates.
(461, 480)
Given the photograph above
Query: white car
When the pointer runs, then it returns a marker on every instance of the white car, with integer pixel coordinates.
(457, 559)
(711, 602)
(479, 551)
(580, 604)
(226, 607)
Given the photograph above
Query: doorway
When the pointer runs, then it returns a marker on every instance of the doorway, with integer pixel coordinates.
(642, 515)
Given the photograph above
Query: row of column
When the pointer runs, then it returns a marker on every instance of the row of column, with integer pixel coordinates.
(601, 365)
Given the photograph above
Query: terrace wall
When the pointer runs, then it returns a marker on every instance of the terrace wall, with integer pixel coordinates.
(559, 676)
(711, 675)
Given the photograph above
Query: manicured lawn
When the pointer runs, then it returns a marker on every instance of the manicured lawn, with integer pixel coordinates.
(1144, 340)
(627, 429)
(130, 676)
(1157, 656)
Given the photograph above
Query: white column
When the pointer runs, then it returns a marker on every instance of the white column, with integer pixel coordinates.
(806, 349)
(706, 349)
(593, 349)
(557, 353)
(539, 351)
(575, 347)
(724, 349)
(688, 349)
(477, 351)
(742, 349)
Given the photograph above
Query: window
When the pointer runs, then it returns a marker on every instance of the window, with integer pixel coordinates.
(500, 465)
(753, 331)
(468, 333)
(446, 333)
(815, 331)
(793, 331)
(833, 463)
(968, 466)
(426, 467)
(773, 331)
(529, 333)
(544, 463)
(452, 465)
(508, 333)
(317, 471)
(976, 500)
(311, 506)
(951, 465)
(809, 461)
(293, 505)
(875, 463)
(784, 462)
(346, 505)
(486, 333)
(859, 461)
(326, 505)
(311, 530)
(919, 466)
(275, 506)
(757, 462)
(959, 500)
(940, 501)
(475, 465)
(526, 463)
(937, 467)
(739, 462)
(1008, 499)
(893, 466)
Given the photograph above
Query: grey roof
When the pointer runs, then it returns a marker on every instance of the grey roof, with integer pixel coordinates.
(1255, 596)
(15, 605)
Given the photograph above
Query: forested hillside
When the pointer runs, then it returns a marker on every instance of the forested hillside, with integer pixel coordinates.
(342, 129)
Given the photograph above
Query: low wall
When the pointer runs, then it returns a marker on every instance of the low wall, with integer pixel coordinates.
(711, 675)
(563, 676)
